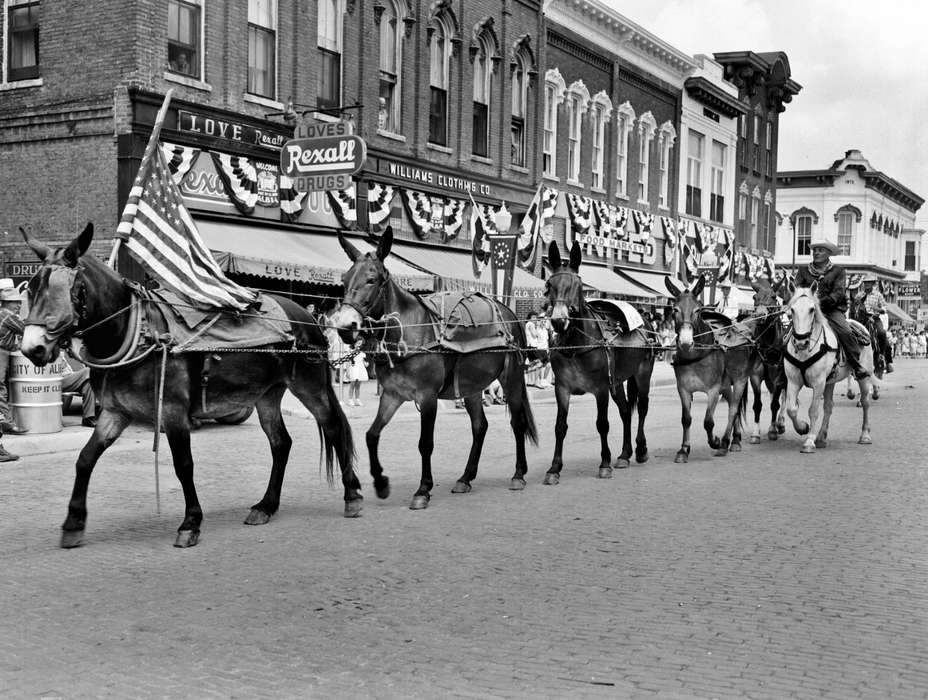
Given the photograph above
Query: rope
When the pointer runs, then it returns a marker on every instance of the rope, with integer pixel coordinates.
(157, 438)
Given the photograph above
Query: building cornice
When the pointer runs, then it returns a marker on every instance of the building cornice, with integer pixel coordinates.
(873, 180)
(703, 90)
(750, 71)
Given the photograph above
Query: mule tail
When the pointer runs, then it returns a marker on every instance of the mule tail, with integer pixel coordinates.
(514, 363)
(342, 443)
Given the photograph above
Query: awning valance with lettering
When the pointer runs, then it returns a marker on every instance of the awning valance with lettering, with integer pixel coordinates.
(608, 282)
(455, 270)
(649, 280)
(896, 311)
(291, 255)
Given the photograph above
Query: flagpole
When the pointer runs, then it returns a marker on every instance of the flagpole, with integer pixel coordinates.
(143, 166)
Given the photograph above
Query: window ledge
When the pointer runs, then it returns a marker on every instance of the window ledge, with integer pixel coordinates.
(393, 136)
(189, 82)
(437, 147)
(575, 183)
(480, 159)
(18, 84)
(325, 117)
(552, 178)
(622, 195)
(263, 101)
(597, 190)
(518, 168)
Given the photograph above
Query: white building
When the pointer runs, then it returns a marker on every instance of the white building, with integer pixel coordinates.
(868, 214)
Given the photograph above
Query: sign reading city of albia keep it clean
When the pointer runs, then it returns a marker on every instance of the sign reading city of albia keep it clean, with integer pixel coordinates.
(324, 160)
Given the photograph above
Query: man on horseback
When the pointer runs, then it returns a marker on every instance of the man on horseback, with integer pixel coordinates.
(874, 305)
(832, 297)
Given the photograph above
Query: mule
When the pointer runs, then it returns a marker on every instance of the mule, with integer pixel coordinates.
(74, 295)
(402, 334)
(812, 360)
(592, 355)
(882, 355)
(700, 364)
(769, 340)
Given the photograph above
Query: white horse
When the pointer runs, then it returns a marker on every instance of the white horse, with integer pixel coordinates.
(811, 359)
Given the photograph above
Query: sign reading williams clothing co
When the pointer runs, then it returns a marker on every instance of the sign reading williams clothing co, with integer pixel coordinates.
(424, 176)
(213, 127)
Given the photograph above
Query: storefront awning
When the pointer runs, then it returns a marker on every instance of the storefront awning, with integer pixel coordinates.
(608, 282)
(455, 270)
(653, 281)
(896, 312)
(291, 255)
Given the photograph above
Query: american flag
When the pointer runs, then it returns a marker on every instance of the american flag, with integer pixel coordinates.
(159, 232)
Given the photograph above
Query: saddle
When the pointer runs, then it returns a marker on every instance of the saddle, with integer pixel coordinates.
(728, 333)
(468, 321)
(619, 322)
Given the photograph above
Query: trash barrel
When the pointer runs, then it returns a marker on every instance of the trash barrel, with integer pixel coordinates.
(35, 394)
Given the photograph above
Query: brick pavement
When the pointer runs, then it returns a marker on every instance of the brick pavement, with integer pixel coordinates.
(767, 574)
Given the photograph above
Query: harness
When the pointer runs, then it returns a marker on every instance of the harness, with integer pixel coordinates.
(803, 365)
(576, 306)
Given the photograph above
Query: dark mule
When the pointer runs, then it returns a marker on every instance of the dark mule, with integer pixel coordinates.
(769, 339)
(592, 355)
(702, 364)
(73, 295)
(403, 334)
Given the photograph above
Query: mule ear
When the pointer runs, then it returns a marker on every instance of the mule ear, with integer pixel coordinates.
(674, 286)
(385, 243)
(349, 248)
(37, 246)
(575, 253)
(77, 247)
(554, 255)
(698, 285)
(814, 288)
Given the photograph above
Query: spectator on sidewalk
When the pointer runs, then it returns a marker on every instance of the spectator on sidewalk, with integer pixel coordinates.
(11, 336)
(356, 373)
(76, 377)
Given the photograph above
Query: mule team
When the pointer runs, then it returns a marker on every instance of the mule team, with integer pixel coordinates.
(601, 347)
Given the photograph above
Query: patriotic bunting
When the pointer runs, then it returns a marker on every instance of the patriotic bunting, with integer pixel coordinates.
(345, 205)
(441, 215)
(159, 232)
(580, 209)
(180, 159)
(239, 178)
(291, 201)
(379, 202)
(644, 222)
(671, 234)
(540, 209)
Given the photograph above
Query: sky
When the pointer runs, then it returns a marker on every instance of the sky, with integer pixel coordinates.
(862, 67)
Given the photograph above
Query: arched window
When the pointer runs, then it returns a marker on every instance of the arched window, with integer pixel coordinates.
(646, 128)
(845, 231)
(665, 140)
(578, 99)
(439, 78)
(391, 66)
(802, 221)
(555, 87)
(483, 88)
(623, 135)
(601, 110)
(521, 65)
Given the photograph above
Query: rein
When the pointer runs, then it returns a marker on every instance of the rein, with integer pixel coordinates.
(803, 364)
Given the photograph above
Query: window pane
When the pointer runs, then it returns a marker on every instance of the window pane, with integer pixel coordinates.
(330, 70)
(437, 60)
(388, 42)
(264, 13)
(184, 38)
(518, 141)
(24, 42)
(385, 119)
(261, 62)
(481, 113)
(438, 116)
(327, 31)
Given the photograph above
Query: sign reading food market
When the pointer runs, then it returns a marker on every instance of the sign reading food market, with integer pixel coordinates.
(325, 160)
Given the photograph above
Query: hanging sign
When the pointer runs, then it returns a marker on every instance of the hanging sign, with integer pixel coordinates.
(323, 162)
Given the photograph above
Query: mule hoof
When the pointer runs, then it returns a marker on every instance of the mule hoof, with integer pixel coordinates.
(755, 439)
(604, 473)
(257, 517)
(721, 452)
(865, 440)
(353, 508)
(382, 488)
(735, 447)
(681, 458)
(642, 457)
(187, 538)
(807, 449)
(772, 435)
(419, 502)
(516, 484)
(552, 479)
(621, 463)
(461, 487)
(821, 444)
(71, 538)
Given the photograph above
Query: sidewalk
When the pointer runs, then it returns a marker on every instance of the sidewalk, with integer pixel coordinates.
(73, 436)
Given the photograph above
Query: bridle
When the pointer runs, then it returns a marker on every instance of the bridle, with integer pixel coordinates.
(364, 298)
(62, 330)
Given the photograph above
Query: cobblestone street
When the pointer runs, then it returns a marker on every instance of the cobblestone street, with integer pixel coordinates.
(765, 574)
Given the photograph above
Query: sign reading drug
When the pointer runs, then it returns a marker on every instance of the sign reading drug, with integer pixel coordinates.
(326, 160)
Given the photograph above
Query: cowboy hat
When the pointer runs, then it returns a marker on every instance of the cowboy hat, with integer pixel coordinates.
(830, 246)
(6, 283)
(10, 294)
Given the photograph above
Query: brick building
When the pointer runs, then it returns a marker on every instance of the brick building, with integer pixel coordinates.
(428, 86)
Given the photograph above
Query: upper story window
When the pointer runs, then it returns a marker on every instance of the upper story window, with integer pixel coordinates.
(578, 99)
(262, 48)
(329, 44)
(803, 224)
(743, 202)
(743, 138)
(623, 136)
(755, 217)
(695, 148)
(22, 40)
(755, 151)
(911, 259)
(483, 88)
(601, 111)
(520, 89)
(717, 183)
(768, 158)
(391, 58)
(646, 128)
(666, 138)
(184, 23)
(554, 95)
(845, 232)
(439, 79)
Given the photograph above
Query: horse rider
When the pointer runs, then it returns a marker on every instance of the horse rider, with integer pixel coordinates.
(832, 298)
(875, 305)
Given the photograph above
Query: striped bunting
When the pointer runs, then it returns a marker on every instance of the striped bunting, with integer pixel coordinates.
(159, 232)
(180, 159)
(240, 179)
